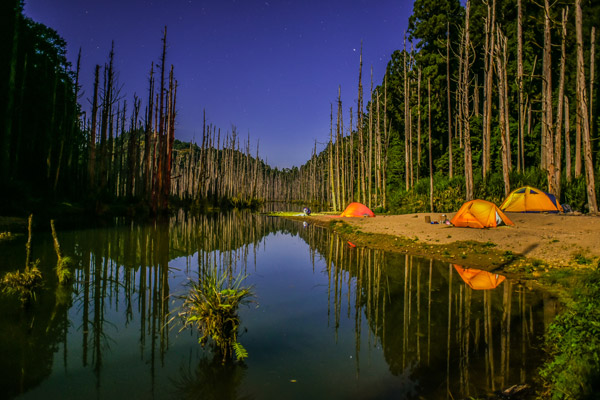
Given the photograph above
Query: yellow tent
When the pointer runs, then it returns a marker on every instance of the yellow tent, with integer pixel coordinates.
(478, 279)
(480, 214)
(530, 199)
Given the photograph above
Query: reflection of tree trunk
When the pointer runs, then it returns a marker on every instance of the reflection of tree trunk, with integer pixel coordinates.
(405, 318)
(163, 247)
(523, 371)
(410, 270)
(429, 313)
(329, 260)
(86, 305)
(467, 338)
(489, 344)
(505, 332)
(419, 314)
(449, 329)
(143, 288)
(460, 334)
(97, 360)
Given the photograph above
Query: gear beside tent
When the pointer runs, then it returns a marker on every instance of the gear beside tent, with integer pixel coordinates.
(357, 210)
(480, 214)
(530, 199)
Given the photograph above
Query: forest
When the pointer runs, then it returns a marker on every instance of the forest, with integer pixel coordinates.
(477, 100)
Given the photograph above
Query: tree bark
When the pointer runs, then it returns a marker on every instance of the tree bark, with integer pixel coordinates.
(560, 107)
(500, 55)
(92, 160)
(448, 98)
(407, 165)
(430, 154)
(331, 177)
(520, 150)
(488, 77)
(567, 142)
(583, 111)
(547, 118)
(465, 108)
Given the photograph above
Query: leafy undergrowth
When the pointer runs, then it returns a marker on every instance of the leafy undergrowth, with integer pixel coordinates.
(573, 343)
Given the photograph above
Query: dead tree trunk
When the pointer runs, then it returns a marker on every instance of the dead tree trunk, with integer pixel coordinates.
(592, 69)
(147, 177)
(406, 122)
(560, 107)
(331, 177)
(547, 118)
(583, 112)
(521, 142)
(490, 25)
(430, 154)
(567, 142)
(361, 148)
(500, 55)
(465, 108)
(418, 122)
(448, 98)
(92, 160)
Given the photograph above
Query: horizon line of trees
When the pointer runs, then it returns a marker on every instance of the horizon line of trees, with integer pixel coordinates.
(483, 97)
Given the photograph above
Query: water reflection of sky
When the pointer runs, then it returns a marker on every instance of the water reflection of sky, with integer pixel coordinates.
(329, 321)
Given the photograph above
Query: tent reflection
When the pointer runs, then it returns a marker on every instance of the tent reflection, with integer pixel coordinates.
(478, 279)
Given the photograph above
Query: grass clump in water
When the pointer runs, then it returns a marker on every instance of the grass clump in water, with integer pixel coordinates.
(211, 306)
(23, 284)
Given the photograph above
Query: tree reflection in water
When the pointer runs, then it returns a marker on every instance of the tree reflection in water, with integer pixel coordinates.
(437, 336)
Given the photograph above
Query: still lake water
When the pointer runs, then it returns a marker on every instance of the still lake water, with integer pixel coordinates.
(330, 321)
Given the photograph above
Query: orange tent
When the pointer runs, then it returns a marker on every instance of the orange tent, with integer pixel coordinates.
(530, 199)
(478, 279)
(357, 210)
(480, 214)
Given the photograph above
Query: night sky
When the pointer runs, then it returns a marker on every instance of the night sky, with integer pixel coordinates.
(271, 68)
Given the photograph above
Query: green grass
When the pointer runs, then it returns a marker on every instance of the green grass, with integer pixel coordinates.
(582, 260)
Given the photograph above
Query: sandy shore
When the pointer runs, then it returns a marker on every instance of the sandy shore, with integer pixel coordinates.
(553, 238)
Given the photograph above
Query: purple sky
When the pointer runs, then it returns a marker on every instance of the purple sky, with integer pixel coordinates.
(271, 68)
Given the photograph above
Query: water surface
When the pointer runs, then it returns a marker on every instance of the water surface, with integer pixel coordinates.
(330, 320)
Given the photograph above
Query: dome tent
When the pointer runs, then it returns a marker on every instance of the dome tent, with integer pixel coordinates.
(530, 199)
(357, 210)
(480, 214)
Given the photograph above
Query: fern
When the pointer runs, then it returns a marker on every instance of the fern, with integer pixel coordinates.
(240, 351)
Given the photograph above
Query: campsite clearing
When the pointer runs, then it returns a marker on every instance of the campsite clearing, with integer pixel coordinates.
(556, 239)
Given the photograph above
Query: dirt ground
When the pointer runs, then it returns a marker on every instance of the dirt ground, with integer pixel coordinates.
(554, 238)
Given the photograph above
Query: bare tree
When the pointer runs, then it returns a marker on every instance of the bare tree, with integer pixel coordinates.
(582, 111)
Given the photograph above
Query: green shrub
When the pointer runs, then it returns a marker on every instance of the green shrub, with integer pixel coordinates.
(574, 194)
(573, 343)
